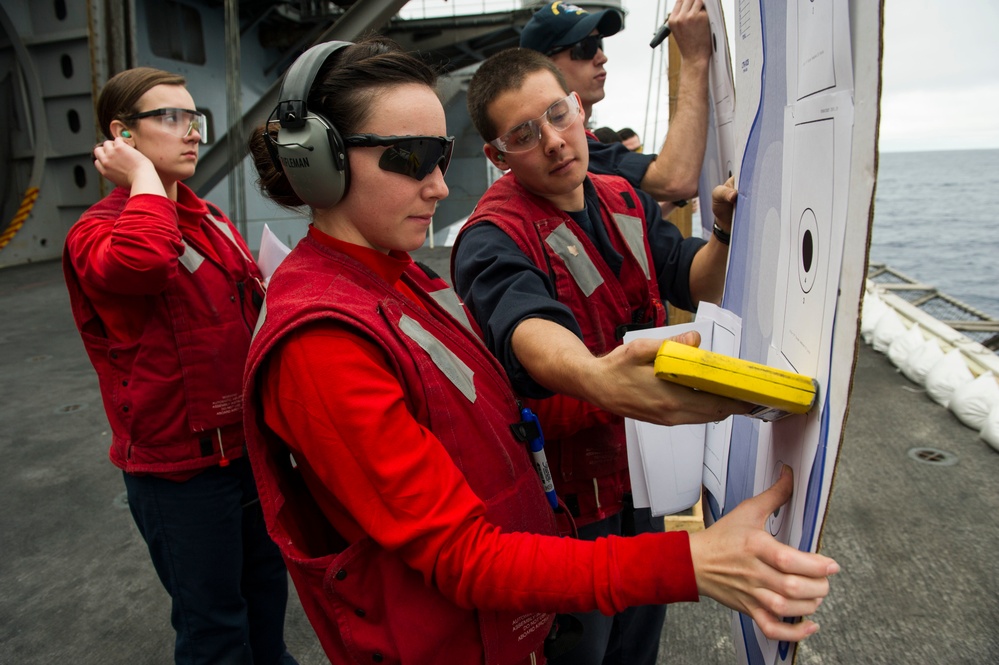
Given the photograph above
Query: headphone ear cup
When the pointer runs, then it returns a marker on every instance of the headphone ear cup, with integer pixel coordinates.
(314, 161)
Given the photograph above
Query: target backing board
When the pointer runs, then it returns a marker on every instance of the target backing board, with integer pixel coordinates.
(808, 80)
(719, 150)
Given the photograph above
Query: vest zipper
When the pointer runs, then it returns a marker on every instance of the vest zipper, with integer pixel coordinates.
(241, 289)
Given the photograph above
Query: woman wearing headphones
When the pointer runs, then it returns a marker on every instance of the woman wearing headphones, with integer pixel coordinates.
(166, 295)
(388, 447)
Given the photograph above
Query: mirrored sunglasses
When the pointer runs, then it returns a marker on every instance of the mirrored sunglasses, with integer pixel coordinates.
(526, 135)
(179, 122)
(584, 49)
(412, 156)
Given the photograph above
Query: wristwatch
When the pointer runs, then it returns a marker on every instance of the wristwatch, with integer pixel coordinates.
(724, 237)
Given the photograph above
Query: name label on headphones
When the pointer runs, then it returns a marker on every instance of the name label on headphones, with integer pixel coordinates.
(295, 162)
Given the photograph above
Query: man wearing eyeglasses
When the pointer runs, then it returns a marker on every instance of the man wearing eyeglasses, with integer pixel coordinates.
(573, 39)
(556, 263)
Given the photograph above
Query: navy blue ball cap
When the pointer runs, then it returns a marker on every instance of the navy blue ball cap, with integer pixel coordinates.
(559, 25)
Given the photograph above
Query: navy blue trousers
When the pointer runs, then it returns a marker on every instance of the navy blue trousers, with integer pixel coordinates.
(631, 637)
(225, 577)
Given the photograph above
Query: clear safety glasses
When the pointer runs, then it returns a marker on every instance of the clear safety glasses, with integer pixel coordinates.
(413, 156)
(179, 122)
(526, 135)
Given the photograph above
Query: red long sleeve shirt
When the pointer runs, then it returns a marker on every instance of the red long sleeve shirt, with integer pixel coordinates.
(122, 263)
(330, 394)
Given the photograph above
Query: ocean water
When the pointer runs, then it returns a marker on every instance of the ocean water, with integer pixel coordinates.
(936, 219)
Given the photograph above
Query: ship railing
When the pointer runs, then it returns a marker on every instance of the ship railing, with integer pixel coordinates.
(955, 324)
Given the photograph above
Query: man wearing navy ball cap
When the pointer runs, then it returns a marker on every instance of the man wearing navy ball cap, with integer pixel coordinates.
(573, 39)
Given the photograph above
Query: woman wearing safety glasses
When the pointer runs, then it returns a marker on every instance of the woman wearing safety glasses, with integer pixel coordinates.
(166, 295)
(391, 454)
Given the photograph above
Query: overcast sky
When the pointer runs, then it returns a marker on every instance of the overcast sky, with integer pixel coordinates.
(940, 73)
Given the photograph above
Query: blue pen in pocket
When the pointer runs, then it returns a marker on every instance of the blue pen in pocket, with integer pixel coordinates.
(536, 444)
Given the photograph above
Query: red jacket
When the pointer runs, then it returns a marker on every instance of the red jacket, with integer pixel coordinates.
(604, 304)
(365, 602)
(166, 317)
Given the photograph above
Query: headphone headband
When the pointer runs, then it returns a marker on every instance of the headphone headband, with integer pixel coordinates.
(308, 148)
(292, 109)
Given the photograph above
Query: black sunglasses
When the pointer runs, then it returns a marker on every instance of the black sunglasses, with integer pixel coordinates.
(413, 156)
(584, 49)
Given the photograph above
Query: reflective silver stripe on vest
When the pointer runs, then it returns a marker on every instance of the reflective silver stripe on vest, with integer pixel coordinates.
(448, 299)
(572, 253)
(261, 317)
(191, 259)
(224, 228)
(454, 369)
(633, 230)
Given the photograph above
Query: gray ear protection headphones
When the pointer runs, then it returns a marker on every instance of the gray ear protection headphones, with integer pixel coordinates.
(308, 147)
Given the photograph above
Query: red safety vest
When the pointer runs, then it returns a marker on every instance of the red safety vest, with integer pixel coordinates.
(590, 468)
(458, 391)
(173, 396)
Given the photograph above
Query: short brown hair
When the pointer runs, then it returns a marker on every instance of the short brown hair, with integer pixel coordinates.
(501, 72)
(121, 93)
